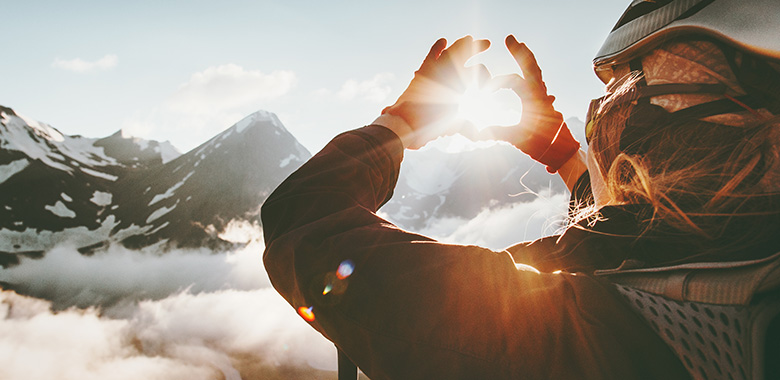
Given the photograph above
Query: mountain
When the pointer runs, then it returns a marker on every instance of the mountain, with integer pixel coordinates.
(57, 188)
(435, 184)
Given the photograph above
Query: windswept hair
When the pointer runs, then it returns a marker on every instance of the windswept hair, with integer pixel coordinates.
(700, 178)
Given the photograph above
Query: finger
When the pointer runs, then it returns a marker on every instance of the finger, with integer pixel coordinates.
(516, 83)
(525, 59)
(435, 51)
(463, 49)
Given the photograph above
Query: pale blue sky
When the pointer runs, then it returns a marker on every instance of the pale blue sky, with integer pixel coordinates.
(185, 70)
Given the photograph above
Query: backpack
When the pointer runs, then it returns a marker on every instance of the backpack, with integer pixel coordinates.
(722, 320)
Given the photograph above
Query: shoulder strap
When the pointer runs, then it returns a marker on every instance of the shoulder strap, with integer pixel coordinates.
(733, 283)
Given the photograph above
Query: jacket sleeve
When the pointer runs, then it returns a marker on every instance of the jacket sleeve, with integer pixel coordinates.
(413, 308)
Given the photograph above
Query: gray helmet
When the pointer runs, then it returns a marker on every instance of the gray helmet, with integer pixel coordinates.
(750, 25)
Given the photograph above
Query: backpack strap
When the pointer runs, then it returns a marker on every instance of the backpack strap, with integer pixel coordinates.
(730, 283)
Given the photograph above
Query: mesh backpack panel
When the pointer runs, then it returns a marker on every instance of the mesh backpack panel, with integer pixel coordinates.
(722, 320)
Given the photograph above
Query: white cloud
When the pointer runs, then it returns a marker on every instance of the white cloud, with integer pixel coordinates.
(81, 66)
(185, 314)
(122, 275)
(229, 87)
(229, 334)
(210, 102)
(502, 227)
(375, 90)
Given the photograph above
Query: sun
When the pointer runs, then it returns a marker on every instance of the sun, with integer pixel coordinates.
(485, 107)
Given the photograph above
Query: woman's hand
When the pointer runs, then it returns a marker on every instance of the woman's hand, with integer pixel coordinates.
(541, 133)
(428, 106)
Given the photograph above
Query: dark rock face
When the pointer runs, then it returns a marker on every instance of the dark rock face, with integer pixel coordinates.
(56, 188)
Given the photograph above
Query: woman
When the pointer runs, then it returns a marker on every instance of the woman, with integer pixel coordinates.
(669, 188)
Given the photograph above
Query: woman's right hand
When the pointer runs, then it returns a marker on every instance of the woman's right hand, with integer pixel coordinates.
(429, 104)
(541, 133)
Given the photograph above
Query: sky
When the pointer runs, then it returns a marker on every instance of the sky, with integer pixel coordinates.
(185, 70)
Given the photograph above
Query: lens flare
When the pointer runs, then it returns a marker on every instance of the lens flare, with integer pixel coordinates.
(345, 269)
(327, 289)
(307, 313)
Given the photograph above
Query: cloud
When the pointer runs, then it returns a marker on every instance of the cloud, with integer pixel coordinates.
(229, 87)
(121, 275)
(502, 227)
(229, 334)
(375, 90)
(81, 66)
(211, 101)
(184, 314)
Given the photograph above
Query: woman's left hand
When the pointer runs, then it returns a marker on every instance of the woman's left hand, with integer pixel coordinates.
(541, 133)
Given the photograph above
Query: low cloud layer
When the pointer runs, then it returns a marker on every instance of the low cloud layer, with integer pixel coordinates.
(81, 66)
(119, 274)
(229, 334)
(501, 227)
(186, 314)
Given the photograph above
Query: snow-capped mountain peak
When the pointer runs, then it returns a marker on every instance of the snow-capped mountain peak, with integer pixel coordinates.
(55, 187)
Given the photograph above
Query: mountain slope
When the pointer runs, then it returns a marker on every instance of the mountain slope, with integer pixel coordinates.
(57, 188)
(435, 184)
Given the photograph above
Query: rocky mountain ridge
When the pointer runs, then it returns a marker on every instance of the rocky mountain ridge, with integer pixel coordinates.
(57, 188)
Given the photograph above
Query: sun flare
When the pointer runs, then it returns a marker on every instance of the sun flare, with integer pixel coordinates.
(485, 108)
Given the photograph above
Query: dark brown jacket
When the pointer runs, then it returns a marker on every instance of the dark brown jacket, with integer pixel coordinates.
(414, 308)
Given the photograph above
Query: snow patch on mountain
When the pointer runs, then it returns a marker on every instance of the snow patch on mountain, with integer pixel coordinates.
(31, 239)
(286, 161)
(160, 212)
(42, 129)
(96, 173)
(167, 152)
(8, 170)
(259, 116)
(101, 198)
(17, 136)
(160, 227)
(84, 151)
(43, 142)
(169, 193)
(165, 149)
(61, 210)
